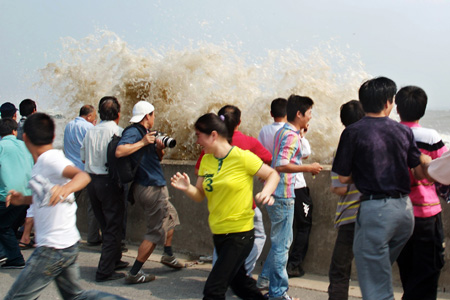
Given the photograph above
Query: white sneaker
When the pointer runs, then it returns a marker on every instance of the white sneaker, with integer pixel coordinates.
(140, 277)
(262, 284)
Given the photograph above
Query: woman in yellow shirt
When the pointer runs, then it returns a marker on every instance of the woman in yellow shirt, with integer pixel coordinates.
(226, 180)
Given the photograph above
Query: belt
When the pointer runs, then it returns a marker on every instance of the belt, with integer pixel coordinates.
(382, 196)
(98, 175)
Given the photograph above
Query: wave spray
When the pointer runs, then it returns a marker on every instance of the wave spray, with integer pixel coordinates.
(201, 78)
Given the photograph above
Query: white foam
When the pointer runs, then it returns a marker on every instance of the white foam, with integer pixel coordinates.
(184, 84)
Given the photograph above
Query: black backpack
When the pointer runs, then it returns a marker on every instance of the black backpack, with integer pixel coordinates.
(122, 170)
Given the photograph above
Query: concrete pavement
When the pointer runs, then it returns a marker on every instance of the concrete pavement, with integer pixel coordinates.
(186, 283)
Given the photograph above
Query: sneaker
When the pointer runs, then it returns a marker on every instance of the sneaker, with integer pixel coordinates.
(3, 259)
(121, 265)
(284, 297)
(140, 277)
(8, 265)
(206, 259)
(171, 261)
(113, 276)
(262, 284)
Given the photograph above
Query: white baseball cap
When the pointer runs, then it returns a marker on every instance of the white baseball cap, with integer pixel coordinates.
(141, 109)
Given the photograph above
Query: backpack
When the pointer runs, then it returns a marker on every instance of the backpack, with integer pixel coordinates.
(122, 170)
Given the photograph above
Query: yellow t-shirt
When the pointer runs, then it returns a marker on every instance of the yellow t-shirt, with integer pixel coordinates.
(228, 186)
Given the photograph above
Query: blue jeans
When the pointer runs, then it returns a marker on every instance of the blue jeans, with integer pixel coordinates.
(9, 246)
(46, 265)
(281, 215)
(382, 229)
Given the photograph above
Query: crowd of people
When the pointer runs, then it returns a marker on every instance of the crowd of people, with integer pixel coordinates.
(384, 172)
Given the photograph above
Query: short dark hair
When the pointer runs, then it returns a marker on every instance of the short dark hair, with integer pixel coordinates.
(375, 93)
(40, 129)
(8, 110)
(86, 109)
(297, 103)
(351, 112)
(27, 107)
(7, 125)
(211, 122)
(278, 108)
(233, 116)
(109, 108)
(411, 103)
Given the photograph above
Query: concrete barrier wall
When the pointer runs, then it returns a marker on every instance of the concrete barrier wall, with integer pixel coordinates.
(193, 235)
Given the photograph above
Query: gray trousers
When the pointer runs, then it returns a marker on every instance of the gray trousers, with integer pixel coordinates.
(382, 229)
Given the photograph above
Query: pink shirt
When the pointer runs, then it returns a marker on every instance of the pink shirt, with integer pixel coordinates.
(423, 195)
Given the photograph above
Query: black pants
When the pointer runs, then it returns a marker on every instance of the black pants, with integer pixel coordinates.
(341, 263)
(229, 270)
(8, 241)
(301, 227)
(108, 205)
(422, 259)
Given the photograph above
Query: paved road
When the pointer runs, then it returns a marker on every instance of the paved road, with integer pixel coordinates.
(169, 284)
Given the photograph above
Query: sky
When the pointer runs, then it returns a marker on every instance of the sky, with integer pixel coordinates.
(405, 40)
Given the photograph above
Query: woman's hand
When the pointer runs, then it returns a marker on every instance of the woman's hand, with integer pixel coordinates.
(180, 181)
(264, 198)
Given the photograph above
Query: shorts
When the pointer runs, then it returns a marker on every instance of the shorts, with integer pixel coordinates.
(161, 216)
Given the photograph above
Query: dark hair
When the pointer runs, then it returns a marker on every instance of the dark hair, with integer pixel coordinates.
(27, 107)
(109, 108)
(411, 103)
(375, 93)
(86, 109)
(297, 103)
(8, 110)
(351, 112)
(7, 125)
(40, 129)
(211, 122)
(232, 114)
(278, 108)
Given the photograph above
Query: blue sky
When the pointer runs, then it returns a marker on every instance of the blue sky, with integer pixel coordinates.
(406, 40)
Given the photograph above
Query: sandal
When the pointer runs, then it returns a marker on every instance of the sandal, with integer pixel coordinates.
(24, 246)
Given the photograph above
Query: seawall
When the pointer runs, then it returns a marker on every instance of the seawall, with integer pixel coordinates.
(193, 235)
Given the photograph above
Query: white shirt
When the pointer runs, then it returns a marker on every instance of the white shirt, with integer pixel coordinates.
(95, 144)
(306, 151)
(55, 226)
(267, 134)
(440, 169)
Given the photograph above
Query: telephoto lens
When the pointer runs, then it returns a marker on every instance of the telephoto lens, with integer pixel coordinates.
(166, 140)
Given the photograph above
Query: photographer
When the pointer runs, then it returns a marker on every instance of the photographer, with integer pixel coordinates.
(150, 191)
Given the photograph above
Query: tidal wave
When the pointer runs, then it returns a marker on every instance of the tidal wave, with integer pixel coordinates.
(184, 84)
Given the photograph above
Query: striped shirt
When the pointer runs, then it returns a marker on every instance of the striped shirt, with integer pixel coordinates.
(286, 150)
(348, 205)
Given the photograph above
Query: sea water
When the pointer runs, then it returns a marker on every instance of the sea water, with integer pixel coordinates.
(184, 84)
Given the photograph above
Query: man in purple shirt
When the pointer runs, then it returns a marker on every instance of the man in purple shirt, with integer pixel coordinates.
(377, 153)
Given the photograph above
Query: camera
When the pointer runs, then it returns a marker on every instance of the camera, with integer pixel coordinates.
(166, 140)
